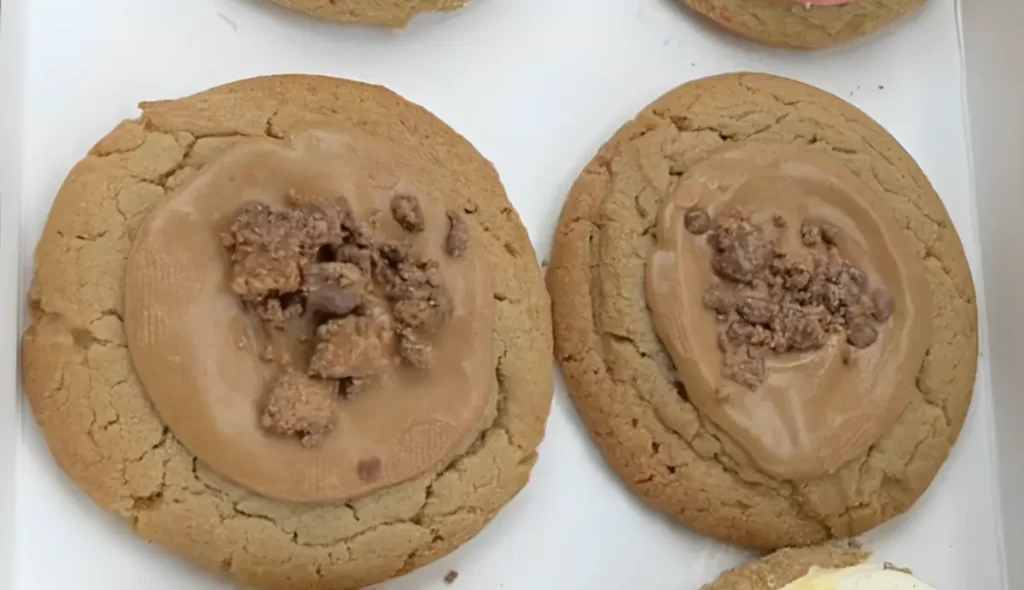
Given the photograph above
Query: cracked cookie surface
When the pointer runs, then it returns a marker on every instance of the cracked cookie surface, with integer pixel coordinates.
(788, 23)
(622, 380)
(786, 566)
(383, 13)
(102, 429)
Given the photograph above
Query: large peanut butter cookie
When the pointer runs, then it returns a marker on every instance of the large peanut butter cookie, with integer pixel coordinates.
(415, 470)
(816, 408)
(794, 23)
(384, 13)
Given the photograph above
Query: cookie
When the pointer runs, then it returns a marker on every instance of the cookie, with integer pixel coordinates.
(383, 13)
(785, 566)
(789, 23)
(827, 567)
(623, 380)
(105, 432)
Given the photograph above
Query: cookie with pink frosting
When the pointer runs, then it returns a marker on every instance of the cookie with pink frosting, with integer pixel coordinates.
(804, 24)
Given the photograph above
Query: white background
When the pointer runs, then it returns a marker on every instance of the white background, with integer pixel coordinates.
(537, 86)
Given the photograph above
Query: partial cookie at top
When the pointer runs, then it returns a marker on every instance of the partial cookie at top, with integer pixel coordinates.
(622, 380)
(382, 13)
(789, 23)
(105, 434)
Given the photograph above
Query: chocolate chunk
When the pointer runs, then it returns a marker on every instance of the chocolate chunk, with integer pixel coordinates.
(343, 274)
(719, 299)
(407, 213)
(302, 407)
(746, 370)
(270, 248)
(416, 351)
(697, 221)
(457, 241)
(358, 256)
(756, 310)
(332, 301)
(352, 346)
(810, 234)
(830, 233)
(861, 332)
(797, 275)
(882, 304)
(427, 308)
(743, 250)
(858, 277)
(797, 329)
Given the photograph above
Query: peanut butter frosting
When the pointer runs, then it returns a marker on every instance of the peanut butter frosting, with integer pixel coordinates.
(822, 393)
(234, 378)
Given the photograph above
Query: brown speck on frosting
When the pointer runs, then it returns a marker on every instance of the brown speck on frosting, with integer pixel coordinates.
(406, 211)
(457, 241)
(368, 469)
(697, 221)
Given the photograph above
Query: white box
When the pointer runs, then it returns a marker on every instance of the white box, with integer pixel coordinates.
(537, 86)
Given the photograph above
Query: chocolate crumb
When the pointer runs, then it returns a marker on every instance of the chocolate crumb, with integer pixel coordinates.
(810, 234)
(861, 332)
(415, 351)
(332, 301)
(364, 302)
(450, 577)
(882, 304)
(352, 346)
(779, 221)
(756, 310)
(719, 299)
(768, 300)
(742, 249)
(457, 242)
(697, 221)
(748, 371)
(429, 308)
(302, 407)
(407, 213)
(830, 234)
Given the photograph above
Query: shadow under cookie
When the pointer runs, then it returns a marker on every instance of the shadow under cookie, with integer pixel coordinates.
(665, 433)
(251, 140)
